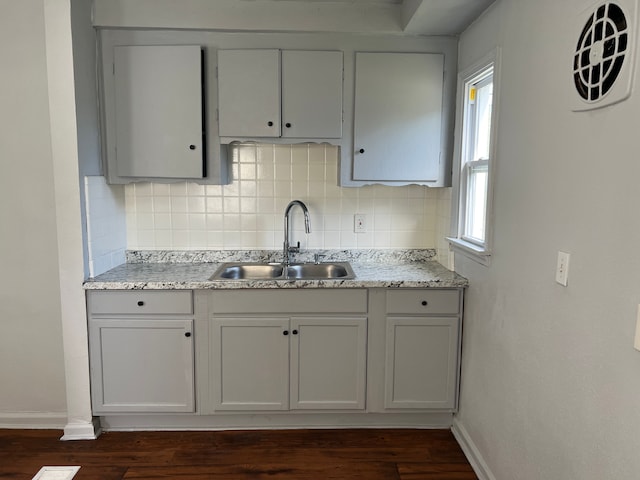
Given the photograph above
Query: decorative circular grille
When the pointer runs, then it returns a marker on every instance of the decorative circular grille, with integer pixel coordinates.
(600, 52)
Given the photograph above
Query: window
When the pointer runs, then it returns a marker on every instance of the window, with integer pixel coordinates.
(475, 152)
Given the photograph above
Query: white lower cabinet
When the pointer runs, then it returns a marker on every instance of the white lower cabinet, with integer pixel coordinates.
(316, 356)
(289, 363)
(422, 348)
(142, 360)
(250, 360)
(288, 349)
(328, 362)
(421, 361)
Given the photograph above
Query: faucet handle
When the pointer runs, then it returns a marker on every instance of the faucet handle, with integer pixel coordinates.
(295, 249)
(317, 257)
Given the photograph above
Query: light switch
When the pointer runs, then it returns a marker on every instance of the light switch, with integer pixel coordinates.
(636, 342)
(562, 268)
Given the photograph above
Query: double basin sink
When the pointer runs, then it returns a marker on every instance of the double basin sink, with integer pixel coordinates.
(278, 271)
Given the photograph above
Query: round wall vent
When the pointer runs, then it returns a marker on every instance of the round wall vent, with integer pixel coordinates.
(602, 63)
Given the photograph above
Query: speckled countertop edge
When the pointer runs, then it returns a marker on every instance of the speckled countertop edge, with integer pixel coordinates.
(373, 268)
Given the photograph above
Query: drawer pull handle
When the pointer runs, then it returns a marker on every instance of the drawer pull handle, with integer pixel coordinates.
(140, 303)
(286, 332)
(424, 303)
(295, 332)
(187, 334)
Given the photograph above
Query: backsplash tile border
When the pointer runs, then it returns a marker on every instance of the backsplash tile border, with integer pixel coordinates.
(221, 256)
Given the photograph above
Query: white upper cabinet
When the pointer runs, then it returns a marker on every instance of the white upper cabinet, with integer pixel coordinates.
(398, 117)
(158, 111)
(311, 94)
(289, 94)
(249, 93)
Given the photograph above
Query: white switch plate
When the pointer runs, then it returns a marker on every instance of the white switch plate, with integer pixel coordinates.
(636, 342)
(360, 223)
(562, 268)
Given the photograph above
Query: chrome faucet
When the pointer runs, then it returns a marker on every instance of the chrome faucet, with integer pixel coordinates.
(288, 250)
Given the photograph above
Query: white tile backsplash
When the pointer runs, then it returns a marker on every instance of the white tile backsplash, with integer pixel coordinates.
(443, 227)
(247, 214)
(106, 227)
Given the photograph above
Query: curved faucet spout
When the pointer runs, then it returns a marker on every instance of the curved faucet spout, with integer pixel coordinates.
(288, 250)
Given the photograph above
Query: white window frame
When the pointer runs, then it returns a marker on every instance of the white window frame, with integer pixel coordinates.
(470, 247)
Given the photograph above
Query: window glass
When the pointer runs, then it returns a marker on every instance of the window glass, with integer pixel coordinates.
(484, 100)
(477, 203)
(475, 157)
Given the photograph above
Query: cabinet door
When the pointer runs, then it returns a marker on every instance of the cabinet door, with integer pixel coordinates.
(250, 363)
(249, 93)
(397, 118)
(328, 363)
(311, 94)
(142, 365)
(158, 107)
(421, 362)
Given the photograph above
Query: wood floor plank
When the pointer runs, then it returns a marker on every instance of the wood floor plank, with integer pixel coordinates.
(331, 454)
(435, 471)
(264, 471)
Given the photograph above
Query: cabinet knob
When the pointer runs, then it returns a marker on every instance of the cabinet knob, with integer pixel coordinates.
(140, 303)
(286, 332)
(424, 303)
(288, 125)
(187, 334)
(361, 150)
(192, 147)
(295, 332)
(270, 124)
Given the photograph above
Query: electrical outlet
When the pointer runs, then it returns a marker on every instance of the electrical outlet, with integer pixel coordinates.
(359, 223)
(562, 268)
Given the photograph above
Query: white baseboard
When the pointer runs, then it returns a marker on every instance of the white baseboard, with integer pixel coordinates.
(82, 431)
(471, 451)
(33, 420)
(276, 420)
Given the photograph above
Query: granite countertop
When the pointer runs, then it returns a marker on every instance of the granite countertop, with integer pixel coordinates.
(192, 270)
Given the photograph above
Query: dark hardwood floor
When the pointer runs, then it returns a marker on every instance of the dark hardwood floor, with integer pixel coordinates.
(366, 454)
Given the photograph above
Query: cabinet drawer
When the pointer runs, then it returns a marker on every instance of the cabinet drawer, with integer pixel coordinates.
(141, 302)
(423, 301)
(346, 300)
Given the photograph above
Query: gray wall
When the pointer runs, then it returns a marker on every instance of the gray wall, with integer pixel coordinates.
(32, 380)
(550, 379)
(85, 78)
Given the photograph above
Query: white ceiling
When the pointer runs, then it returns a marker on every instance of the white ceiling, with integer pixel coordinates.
(423, 17)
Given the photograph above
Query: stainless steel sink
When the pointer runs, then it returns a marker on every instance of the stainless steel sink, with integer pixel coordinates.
(249, 271)
(320, 270)
(276, 271)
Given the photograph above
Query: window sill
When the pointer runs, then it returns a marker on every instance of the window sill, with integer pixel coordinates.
(469, 250)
